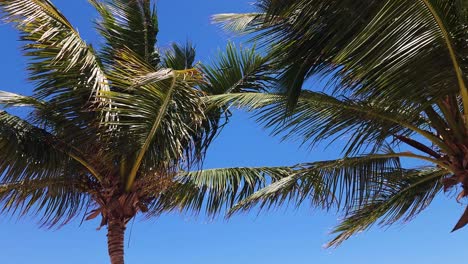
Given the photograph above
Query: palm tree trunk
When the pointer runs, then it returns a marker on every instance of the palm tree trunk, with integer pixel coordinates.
(115, 240)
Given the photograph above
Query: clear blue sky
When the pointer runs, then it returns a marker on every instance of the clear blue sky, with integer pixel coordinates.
(283, 236)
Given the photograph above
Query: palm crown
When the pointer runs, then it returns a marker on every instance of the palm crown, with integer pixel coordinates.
(115, 132)
(397, 77)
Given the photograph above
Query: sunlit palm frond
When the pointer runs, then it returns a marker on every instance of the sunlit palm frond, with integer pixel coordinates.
(8, 99)
(161, 118)
(216, 190)
(59, 57)
(240, 23)
(64, 69)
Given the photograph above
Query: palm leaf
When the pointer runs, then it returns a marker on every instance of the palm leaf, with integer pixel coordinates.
(237, 70)
(342, 183)
(402, 198)
(66, 73)
(57, 200)
(240, 23)
(319, 117)
(29, 152)
(367, 47)
(128, 24)
(215, 190)
(162, 117)
(14, 100)
(57, 52)
(179, 57)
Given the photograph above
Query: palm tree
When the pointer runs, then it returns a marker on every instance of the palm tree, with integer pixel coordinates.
(115, 132)
(396, 73)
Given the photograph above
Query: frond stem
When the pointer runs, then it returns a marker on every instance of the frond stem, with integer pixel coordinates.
(154, 129)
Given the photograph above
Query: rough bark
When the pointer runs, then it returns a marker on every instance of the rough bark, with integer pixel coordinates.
(115, 240)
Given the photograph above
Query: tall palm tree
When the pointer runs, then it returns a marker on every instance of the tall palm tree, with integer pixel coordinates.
(115, 132)
(397, 75)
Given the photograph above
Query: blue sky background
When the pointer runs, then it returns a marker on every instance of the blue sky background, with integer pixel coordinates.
(282, 236)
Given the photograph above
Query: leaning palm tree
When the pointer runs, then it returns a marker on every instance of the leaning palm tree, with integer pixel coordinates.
(115, 132)
(396, 73)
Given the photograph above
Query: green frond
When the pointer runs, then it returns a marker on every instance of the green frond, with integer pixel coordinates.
(403, 53)
(128, 24)
(342, 183)
(63, 68)
(26, 152)
(56, 200)
(318, 117)
(237, 70)
(161, 119)
(57, 52)
(216, 190)
(179, 57)
(29, 152)
(402, 197)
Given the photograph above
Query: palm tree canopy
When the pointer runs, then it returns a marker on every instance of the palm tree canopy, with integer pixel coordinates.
(116, 131)
(396, 73)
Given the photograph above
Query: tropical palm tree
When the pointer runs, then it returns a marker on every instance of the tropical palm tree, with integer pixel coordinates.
(396, 73)
(114, 132)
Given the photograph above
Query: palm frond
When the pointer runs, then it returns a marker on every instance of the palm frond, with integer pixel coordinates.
(29, 152)
(215, 190)
(342, 183)
(403, 197)
(8, 99)
(58, 54)
(128, 24)
(179, 57)
(161, 118)
(378, 49)
(64, 69)
(240, 23)
(318, 117)
(57, 200)
(237, 70)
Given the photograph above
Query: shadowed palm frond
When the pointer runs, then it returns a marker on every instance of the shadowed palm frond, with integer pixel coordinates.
(128, 24)
(403, 197)
(318, 117)
(57, 200)
(237, 70)
(39, 174)
(29, 152)
(366, 47)
(342, 183)
(179, 57)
